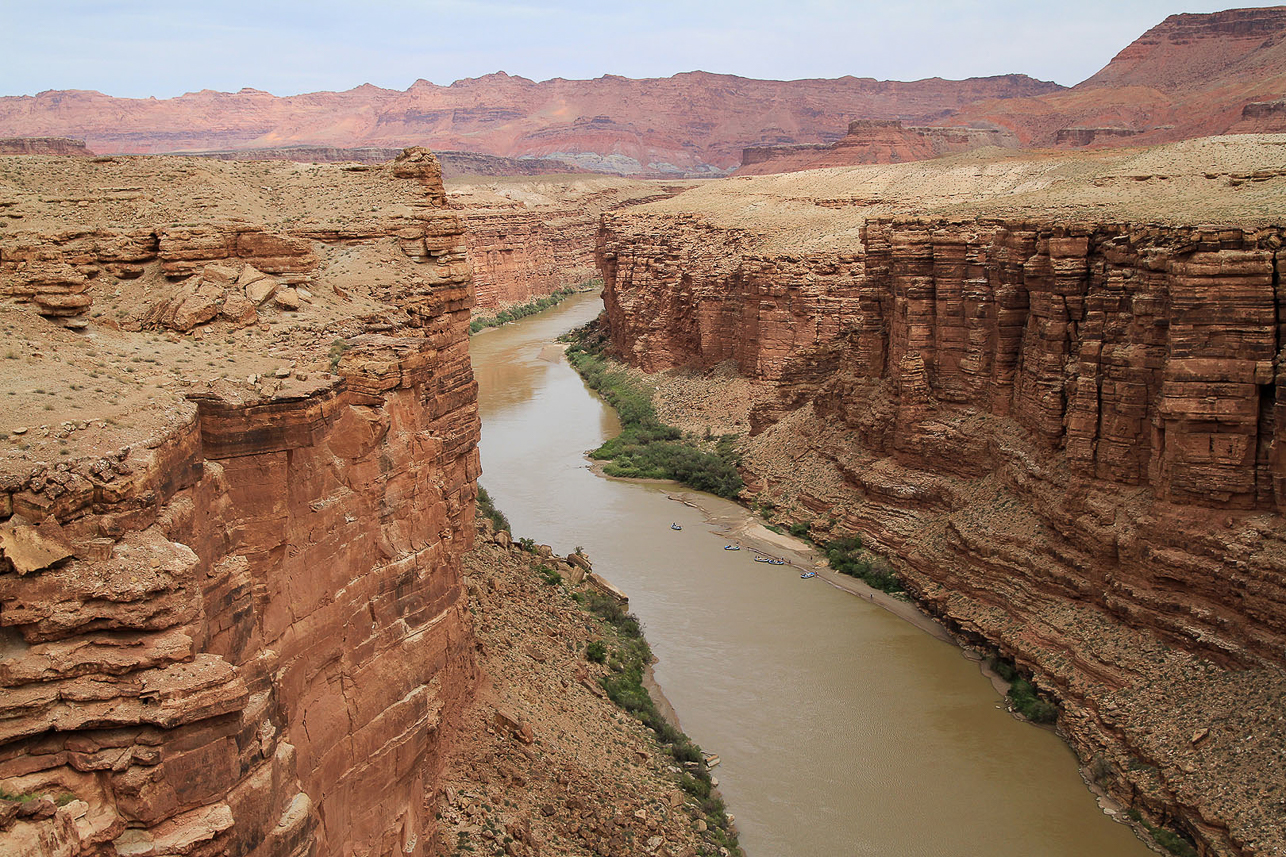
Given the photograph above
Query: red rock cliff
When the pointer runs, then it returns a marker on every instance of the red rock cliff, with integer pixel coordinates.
(1066, 434)
(530, 237)
(245, 632)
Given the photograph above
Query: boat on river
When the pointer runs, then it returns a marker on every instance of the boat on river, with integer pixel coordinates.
(762, 559)
(732, 547)
(808, 574)
(675, 527)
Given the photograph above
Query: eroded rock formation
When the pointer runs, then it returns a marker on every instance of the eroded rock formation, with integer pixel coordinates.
(231, 615)
(1065, 431)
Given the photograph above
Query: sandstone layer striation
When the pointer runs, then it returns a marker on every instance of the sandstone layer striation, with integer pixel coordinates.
(231, 611)
(1050, 390)
(530, 237)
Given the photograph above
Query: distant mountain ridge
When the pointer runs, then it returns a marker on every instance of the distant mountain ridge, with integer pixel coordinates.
(693, 123)
(1192, 75)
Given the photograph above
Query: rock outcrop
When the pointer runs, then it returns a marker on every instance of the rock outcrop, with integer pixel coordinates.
(1066, 433)
(237, 625)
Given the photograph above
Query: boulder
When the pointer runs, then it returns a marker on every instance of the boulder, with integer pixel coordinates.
(258, 291)
(287, 299)
(239, 309)
(29, 548)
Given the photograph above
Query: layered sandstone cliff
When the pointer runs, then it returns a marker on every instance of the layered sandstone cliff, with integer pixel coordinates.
(43, 146)
(530, 237)
(231, 612)
(1063, 427)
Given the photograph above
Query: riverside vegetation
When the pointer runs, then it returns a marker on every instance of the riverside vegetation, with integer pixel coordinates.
(532, 307)
(628, 656)
(647, 448)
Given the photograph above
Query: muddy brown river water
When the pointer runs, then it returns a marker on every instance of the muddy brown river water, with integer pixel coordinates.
(843, 729)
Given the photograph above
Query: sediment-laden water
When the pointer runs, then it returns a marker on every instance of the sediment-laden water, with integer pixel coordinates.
(843, 729)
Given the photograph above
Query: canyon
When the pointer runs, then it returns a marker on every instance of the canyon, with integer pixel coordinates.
(234, 512)
(1046, 387)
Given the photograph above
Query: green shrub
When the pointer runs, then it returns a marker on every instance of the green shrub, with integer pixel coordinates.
(846, 556)
(532, 307)
(1173, 842)
(1002, 667)
(646, 448)
(549, 575)
(337, 349)
(1022, 696)
(596, 651)
(799, 530)
(488, 508)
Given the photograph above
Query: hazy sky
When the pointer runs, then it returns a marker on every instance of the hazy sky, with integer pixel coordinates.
(136, 48)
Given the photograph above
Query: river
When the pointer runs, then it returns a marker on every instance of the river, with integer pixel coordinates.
(843, 729)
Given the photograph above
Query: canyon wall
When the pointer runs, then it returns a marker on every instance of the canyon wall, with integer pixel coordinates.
(1066, 434)
(231, 614)
(529, 238)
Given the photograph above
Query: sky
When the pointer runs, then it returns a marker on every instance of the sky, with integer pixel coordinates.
(132, 48)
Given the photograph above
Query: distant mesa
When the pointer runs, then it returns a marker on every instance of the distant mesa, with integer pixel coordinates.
(614, 124)
(1087, 136)
(43, 146)
(874, 141)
